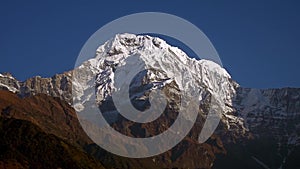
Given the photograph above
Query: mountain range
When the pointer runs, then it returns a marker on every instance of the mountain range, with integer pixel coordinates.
(259, 128)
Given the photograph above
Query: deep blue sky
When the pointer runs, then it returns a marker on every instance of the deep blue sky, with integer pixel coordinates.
(258, 41)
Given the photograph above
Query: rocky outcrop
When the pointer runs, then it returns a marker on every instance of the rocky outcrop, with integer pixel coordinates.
(57, 86)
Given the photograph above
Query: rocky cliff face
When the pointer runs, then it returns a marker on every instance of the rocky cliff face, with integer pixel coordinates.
(57, 86)
(271, 112)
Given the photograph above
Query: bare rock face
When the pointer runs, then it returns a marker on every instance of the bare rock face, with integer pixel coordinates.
(57, 86)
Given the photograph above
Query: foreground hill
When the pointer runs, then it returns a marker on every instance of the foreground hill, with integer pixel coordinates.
(25, 145)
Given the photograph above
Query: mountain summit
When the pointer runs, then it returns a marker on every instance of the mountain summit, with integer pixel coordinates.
(162, 65)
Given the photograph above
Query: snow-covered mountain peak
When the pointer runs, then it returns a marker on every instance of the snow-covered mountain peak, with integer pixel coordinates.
(264, 112)
(129, 43)
(148, 48)
(163, 64)
(157, 55)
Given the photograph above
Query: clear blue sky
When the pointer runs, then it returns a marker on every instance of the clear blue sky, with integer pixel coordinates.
(258, 41)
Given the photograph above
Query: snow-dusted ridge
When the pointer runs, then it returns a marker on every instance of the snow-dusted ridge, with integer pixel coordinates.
(58, 85)
(8, 82)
